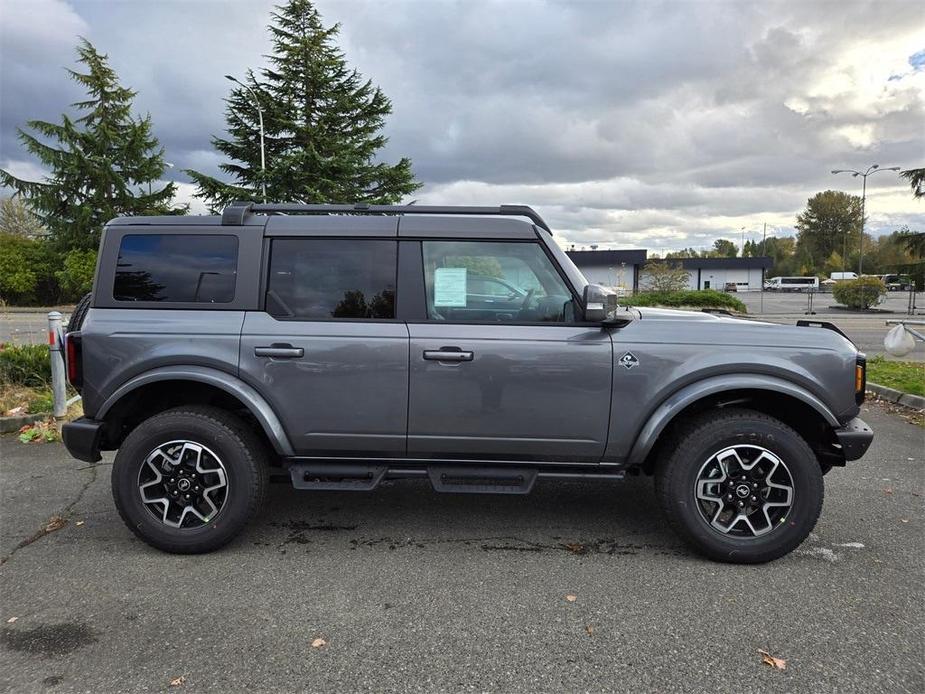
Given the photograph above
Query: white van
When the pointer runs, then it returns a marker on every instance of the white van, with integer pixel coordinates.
(793, 284)
(843, 276)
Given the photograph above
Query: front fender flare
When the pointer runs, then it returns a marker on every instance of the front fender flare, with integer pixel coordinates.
(232, 385)
(693, 392)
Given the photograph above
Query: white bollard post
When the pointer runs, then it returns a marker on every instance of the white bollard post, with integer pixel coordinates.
(55, 342)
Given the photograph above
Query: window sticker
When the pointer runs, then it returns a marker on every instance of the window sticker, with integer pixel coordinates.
(450, 287)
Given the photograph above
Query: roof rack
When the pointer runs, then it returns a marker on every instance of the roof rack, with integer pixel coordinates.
(235, 213)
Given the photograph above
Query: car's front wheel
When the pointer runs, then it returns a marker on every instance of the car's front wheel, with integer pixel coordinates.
(740, 486)
(189, 479)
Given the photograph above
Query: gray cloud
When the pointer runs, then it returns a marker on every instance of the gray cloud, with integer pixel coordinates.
(627, 123)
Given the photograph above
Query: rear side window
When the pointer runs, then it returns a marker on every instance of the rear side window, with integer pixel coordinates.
(324, 279)
(176, 268)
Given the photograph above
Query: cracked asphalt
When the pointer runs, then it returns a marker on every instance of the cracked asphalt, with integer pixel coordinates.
(415, 591)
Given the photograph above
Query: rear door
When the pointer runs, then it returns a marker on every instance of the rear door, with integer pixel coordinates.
(513, 380)
(327, 350)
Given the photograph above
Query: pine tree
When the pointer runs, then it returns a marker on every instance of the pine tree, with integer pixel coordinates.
(102, 163)
(322, 124)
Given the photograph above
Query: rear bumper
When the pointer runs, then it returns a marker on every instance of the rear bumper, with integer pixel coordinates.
(82, 439)
(855, 438)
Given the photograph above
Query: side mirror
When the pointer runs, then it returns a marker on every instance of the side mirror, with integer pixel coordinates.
(599, 302)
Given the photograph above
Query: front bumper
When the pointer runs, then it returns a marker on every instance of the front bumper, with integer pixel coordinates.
(854, 438)
(82, 439)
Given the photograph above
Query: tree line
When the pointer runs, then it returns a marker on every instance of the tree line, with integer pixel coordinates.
(323, 133)
(828, 240)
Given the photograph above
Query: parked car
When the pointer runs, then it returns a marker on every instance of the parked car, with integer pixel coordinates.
(897, 283)
(345, 345)
(837, 276)
(731, 287)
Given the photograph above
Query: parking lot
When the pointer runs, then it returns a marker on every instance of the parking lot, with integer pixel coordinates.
(867, 330)
(415, 591)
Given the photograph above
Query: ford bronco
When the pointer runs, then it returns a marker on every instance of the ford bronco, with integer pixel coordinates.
(342, 345)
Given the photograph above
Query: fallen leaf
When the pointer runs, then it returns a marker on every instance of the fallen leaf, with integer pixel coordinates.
(571, 598)
(776, 663)
(576, 548)
(79, 523)
(590, 629)
(904, 520)
(11, 620)
(15, 411)
(319, 643)
(178, 682)
(887, 491)
(55, 523)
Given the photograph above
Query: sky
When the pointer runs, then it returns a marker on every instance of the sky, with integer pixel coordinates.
(656, 125)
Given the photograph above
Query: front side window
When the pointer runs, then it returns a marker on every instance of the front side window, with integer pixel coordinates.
(324, 279)
(493, 281)
(176, 268)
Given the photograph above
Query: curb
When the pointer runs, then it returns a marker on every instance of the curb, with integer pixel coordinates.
(916, 402)
(10, 424)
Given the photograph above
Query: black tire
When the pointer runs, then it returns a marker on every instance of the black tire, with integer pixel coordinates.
(691, 447)
(242, 455)
(80, 312)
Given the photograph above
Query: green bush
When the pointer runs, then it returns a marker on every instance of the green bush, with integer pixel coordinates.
(859, 294)
(689, 298)
(25, 365)
(76, 279)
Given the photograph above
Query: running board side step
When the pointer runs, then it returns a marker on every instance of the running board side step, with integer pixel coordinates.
(482, 480)
(332, 476)
(363, 476)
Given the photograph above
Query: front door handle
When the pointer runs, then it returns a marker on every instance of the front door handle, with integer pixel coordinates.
(447, 354)
(279, 352)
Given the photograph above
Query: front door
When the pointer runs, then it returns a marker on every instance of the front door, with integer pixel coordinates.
(328, 353)
(513, 379)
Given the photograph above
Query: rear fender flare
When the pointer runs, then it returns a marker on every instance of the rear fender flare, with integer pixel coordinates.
(677, 401)
(232, 385)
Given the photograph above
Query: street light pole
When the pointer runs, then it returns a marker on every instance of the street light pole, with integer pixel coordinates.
(872, 169)
(263, 156)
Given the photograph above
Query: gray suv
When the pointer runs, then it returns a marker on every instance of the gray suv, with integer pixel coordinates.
(342, 345)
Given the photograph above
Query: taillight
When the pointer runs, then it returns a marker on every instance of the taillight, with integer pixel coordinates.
(72, 351)
(860, 378)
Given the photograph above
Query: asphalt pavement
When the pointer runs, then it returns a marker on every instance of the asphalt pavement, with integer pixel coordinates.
(414, 591)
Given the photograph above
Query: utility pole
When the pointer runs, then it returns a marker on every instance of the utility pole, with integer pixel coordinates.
(872, 169)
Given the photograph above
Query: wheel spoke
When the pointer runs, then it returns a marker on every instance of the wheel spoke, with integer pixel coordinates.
(744, 491)
(174, 493)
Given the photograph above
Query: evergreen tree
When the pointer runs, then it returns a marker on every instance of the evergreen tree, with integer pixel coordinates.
(322, 123)
(103, 164)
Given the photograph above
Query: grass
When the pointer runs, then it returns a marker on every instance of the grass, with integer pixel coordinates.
(905, 376)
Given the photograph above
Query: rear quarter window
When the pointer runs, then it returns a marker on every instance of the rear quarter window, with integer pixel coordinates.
(176, 268)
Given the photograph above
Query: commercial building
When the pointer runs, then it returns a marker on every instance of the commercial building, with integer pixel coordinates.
(625, 269)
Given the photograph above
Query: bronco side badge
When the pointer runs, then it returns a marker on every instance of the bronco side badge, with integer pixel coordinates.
(629, 360)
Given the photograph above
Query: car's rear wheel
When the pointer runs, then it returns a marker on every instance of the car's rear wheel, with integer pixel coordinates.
(189, 479)
(740, 486)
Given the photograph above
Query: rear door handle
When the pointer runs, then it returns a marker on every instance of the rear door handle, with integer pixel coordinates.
(279, 352)
(447, 354)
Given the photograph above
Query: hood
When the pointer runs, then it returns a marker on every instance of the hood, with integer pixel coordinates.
(677, 314)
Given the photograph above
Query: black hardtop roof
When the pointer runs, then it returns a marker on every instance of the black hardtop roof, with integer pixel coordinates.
(253, 214)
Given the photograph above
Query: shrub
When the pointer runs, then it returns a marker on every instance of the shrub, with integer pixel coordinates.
(76, 279)
(25, 365)
(860, 294)
(705, 298)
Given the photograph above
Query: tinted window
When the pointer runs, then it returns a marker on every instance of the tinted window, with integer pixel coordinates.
(493, 281)
(176, 268)
(319, 279)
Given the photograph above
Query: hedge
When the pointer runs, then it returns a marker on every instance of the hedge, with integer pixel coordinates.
(705, 298)
(859, 294)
